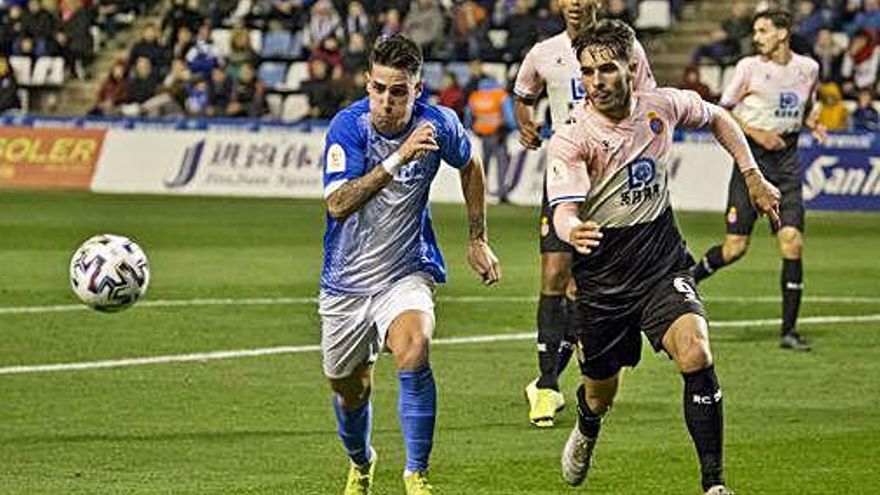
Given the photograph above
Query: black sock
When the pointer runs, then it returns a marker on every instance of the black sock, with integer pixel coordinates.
(704, 416)
(552, 316)
(588, 421)
(569, 341)
(792, 282)
(709, 263)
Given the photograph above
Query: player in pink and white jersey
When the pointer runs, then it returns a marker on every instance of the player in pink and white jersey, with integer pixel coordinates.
(552, 65)
(607, 178)
(771, 95)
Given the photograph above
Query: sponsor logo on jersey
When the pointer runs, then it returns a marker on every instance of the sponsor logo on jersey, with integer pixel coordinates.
(789, 106)
(642, 185)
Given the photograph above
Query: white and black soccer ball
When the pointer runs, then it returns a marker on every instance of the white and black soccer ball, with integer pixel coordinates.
(109, 272)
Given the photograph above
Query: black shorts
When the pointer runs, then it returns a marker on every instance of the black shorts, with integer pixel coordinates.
(550, 242)
(782, 169)
(609, 335)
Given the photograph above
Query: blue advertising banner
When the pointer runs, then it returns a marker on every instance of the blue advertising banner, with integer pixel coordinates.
(843, 173)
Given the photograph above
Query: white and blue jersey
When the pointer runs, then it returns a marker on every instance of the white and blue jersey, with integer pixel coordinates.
(390, 236)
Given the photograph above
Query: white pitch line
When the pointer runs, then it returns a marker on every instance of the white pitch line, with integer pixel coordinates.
(278, 301)
(270, 351)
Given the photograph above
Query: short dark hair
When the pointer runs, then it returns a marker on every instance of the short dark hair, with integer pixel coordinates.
(781, 19)
(609, 33)
(398, 52)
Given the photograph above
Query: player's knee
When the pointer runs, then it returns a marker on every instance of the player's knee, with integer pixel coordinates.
(413, 353)
(735, 249)
(352, 392)
(694, 354)
(791, 242)
(599, 405)
(555, 277)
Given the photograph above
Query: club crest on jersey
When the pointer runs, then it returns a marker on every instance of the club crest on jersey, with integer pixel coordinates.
(655, 123)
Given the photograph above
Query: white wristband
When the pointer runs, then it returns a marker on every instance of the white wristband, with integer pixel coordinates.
(393, 163)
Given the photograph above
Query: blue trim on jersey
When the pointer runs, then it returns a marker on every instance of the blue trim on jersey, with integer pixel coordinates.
(568, 199)
(391, 235)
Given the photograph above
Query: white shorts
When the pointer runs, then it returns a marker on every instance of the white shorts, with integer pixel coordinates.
(353, 328)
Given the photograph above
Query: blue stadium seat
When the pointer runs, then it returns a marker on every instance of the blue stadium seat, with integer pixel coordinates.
(272, 73)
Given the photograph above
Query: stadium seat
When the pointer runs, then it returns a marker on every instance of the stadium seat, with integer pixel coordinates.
(48, 71)
(242, 9)
(496, 71)
(296, 107)
(22, 67)
(296, 74)
(461, 71)
(654, 14)
(256, 40)
(710, 75)
(272, 73)
(274, 102)
(222, 39)
(498, 38)
(277, 45)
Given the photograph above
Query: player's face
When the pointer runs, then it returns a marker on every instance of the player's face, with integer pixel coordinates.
(578, 13)
(607, 80)
(767, 37)
(392, 93)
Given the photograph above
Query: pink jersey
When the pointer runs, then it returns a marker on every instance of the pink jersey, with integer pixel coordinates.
(619, 170)
(552, 63)
(769, 96)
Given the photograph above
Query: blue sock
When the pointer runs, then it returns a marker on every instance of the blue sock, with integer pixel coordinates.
(354, 429)
(418, 409)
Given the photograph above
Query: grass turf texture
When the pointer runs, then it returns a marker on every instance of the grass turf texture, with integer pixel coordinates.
(796, 423)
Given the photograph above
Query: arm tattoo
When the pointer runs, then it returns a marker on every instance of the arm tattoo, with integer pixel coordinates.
(354, 194)
(474, 190)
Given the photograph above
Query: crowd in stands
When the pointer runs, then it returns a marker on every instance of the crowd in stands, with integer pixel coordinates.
(842, 35)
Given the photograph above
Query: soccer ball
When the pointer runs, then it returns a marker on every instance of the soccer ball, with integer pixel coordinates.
(109, 273)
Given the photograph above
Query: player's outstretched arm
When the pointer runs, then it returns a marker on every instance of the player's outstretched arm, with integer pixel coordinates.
(354, 194)
(763, 194)
(583, 236)
(480, 256)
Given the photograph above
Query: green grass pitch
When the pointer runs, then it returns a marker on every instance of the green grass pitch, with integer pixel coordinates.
(795, 423)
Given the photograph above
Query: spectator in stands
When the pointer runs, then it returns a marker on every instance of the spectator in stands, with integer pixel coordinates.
(691, 80)
(809, 20)
(75, 37)
(198, 98)
(216, 11)
(452, 94)
(618, 9)
(739, 26)
(203, 56)
(240, 51)
(470, 30)
(521, 31)
(149, 46)
(183, 41)
(24, 47)
(829, 54)
(425, 24)
(832, 112)
(330, 52)
(324, 97)
(489, 113)
(866, 117)
(355, 60)
(279, 42)
(143, 82)
(475, 75)
(113, 91)
(866, 20)
(719, 49)
(8, 87)
(178, 81)
(219, 92)
(11, 28)
(391, 24)
(182, 14)
(356, 21)
(40, 23)
(860, 63)
(323, 22)
(549, 21)
(248, 98)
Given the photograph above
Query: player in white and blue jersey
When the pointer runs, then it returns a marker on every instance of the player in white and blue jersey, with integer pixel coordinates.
(381, 258)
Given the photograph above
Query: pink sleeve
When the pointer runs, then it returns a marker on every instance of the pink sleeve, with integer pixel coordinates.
(567, 178)
(688, 108)
(529, 83)
(644, 80)
(738, 87)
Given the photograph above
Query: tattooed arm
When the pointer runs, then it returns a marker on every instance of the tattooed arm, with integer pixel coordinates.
(480, 256)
